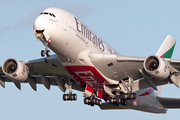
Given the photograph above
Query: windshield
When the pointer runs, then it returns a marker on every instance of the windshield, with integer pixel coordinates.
(46, 13)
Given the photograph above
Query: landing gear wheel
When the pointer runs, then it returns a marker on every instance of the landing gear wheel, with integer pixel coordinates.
(92, 104)
(111, 100)
(124, 102)
(99, 102)
(125, 95)
(89, 103)
(48, 53)
(131, 96)
(121, 96)
(65, 97)
(75, 97)
(43, 53)
(134, 95)
(86, 100)
(118, 100)
(71, 97)
(93, 100)
(96, 102)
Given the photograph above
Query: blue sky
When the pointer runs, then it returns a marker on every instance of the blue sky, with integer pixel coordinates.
(135, 28)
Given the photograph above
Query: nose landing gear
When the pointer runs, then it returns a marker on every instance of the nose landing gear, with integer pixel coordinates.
(46, 51)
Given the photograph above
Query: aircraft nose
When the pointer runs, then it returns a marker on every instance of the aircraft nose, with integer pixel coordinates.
(40, 29)
(40, 23)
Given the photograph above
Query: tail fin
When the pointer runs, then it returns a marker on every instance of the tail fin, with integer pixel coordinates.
(167, 48)
(166, 51)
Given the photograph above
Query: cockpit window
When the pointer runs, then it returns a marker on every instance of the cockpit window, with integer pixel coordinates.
(46, 13)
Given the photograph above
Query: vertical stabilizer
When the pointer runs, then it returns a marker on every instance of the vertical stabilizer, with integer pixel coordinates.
(166, 51)
(167, 48)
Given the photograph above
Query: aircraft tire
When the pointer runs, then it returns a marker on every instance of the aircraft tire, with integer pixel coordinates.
(43, 53)
(48, 53)
(65, 97)
(125, 96)
(92, 104)
(131, 96)
(71, 97)
(93, 100)
(134, 95)
(99, 102)
(75, 97)
(86, 100)
(121, 96)
(111, 100)
(124, 102)
(118, 100)
(96, 102)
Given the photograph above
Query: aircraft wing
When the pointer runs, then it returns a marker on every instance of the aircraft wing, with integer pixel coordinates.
(118, 67)
(176, 64)
(50, 68)
(114, 67)
(169, 102)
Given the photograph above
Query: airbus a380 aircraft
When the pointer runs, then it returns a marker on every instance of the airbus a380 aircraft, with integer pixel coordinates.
(85, 62)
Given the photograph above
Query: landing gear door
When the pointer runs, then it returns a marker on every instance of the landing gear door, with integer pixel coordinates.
(46, 35)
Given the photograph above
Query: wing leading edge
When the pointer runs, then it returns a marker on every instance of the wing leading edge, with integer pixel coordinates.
(123, 67)
(47, 71)
(152, 71)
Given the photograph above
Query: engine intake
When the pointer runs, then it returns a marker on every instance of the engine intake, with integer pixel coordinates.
(156, 67)
(152, 63)
(15, 70)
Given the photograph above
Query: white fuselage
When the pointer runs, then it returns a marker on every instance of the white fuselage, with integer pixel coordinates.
(72, 41)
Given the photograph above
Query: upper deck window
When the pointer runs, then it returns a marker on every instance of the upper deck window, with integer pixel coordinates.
(46, 13)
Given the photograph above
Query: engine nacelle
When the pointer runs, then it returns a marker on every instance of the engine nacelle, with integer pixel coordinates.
(156, 67)
(15, 70)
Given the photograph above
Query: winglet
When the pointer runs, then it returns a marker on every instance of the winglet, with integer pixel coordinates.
(167, 48)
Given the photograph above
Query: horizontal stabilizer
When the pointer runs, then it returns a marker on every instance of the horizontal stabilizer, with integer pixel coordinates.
(169, 102)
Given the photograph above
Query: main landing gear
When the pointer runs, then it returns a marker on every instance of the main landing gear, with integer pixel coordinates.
(92, 101)
(122, 99)
(70, 96)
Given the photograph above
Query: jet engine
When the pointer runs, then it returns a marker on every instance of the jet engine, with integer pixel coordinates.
(156, 67)
(15, 70)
